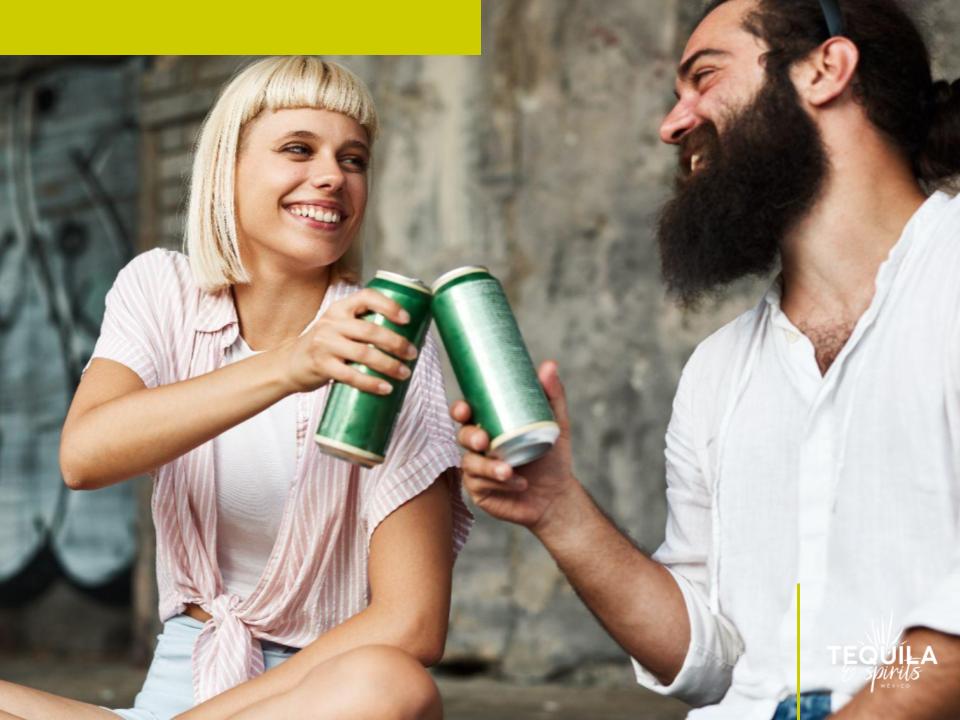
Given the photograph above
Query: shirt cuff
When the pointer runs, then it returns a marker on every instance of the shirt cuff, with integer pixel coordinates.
(941, 609)
(705, 675)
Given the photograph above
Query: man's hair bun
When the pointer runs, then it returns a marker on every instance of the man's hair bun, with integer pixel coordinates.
(940, 157)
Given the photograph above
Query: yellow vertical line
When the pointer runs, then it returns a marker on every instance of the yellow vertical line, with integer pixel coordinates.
(798, 651)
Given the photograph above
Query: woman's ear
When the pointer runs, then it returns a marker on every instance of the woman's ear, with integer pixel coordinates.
(827, 72)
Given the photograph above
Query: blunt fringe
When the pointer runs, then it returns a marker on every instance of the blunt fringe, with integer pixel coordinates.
(276, 83)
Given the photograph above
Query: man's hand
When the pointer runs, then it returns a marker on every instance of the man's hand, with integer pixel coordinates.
(523, 495)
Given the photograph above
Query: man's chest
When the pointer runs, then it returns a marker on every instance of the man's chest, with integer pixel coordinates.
(861, 436)
(828, 338)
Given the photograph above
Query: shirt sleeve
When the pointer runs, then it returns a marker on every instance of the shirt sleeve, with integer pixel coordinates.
(940, 608)
(130, 331)
(423, 446)
(715, 644)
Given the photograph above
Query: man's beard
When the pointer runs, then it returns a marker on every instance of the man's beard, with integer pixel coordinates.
(727, 220)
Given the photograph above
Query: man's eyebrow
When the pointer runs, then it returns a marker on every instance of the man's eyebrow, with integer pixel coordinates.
(684, 70)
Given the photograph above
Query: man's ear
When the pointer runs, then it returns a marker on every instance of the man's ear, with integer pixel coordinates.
(827, 71)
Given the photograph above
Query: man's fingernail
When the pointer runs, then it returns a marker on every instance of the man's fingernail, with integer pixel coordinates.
(503, 472)
(385, 388)
(404, 316)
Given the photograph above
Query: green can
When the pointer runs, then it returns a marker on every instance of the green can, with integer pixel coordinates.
(492, 365)
(356, 425)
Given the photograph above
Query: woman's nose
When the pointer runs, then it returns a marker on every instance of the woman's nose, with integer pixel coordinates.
(327, 173)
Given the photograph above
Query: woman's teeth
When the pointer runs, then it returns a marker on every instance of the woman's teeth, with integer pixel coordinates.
(316, 213)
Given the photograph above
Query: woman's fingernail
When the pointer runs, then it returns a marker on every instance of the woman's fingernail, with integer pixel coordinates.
(503, 472)
(411, 351)
(385, 388)
(404, 372)
(404, 316)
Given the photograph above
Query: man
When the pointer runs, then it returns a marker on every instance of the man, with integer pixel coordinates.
(815, 439)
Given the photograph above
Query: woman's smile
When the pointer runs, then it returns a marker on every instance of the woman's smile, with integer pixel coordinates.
(326, 216)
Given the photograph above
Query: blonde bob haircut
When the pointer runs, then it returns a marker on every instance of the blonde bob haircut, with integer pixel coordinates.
(271, 84)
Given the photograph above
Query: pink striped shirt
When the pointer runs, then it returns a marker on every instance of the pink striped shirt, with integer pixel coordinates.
(162, 326)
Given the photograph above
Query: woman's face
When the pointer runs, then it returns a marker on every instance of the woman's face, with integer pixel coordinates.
(301, 189)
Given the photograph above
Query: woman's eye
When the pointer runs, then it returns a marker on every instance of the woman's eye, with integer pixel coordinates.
(297, 149)
(355, 162)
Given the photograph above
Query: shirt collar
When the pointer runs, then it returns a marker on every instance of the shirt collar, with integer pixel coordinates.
(216, 311)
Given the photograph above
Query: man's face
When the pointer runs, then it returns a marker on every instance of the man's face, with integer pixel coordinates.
(751, 160)
(721, 70)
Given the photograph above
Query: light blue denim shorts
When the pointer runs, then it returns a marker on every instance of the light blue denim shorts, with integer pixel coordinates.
(168, 689)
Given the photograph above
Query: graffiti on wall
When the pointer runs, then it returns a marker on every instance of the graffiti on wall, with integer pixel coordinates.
(68, 181)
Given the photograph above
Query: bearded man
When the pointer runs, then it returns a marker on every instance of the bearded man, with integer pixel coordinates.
(816, 438)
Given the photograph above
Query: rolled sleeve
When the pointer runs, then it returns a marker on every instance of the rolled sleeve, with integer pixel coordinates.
(423, 448)
(940, 610)
(715, 644)
(705, 675)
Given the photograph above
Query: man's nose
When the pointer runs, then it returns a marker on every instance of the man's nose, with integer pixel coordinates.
(678, 123)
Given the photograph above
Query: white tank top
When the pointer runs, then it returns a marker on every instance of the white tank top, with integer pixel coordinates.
(254, 466)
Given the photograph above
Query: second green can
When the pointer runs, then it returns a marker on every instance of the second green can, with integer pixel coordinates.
(492, 365)
(357, 425)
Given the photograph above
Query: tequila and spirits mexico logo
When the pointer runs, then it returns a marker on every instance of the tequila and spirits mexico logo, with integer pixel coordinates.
(883, 657)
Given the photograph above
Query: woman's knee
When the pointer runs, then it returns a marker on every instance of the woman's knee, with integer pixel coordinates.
(376, 681)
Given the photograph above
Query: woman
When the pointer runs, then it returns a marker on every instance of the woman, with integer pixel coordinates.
(211, 373)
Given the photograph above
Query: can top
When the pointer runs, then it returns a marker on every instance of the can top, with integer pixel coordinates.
(447, 277)
(409, 282)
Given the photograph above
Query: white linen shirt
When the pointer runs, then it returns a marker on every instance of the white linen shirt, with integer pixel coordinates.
(846, 483)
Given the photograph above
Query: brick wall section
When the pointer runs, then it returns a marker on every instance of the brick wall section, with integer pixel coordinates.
(176, 92)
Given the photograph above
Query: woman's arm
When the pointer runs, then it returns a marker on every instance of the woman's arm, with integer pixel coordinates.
(118, 428)
(410, 569)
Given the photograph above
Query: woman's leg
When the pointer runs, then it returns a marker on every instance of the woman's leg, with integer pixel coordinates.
(22, 703)
(376, 682)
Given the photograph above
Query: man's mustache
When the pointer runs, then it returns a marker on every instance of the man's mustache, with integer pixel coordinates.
(703, 142)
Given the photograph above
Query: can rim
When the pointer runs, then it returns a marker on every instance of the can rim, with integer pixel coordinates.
(413, 283)
(511, 434)
(351, 451)
(454, 274)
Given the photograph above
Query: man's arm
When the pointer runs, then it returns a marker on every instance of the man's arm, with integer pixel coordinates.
(636, 599)
(658, 614)
(934, 688)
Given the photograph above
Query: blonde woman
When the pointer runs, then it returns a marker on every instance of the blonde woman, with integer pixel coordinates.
(292, 584)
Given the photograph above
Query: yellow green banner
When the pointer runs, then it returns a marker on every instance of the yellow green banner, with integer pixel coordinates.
(198, 27)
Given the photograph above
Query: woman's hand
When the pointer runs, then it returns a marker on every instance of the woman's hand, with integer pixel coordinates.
(523, 495)
(339, 337)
